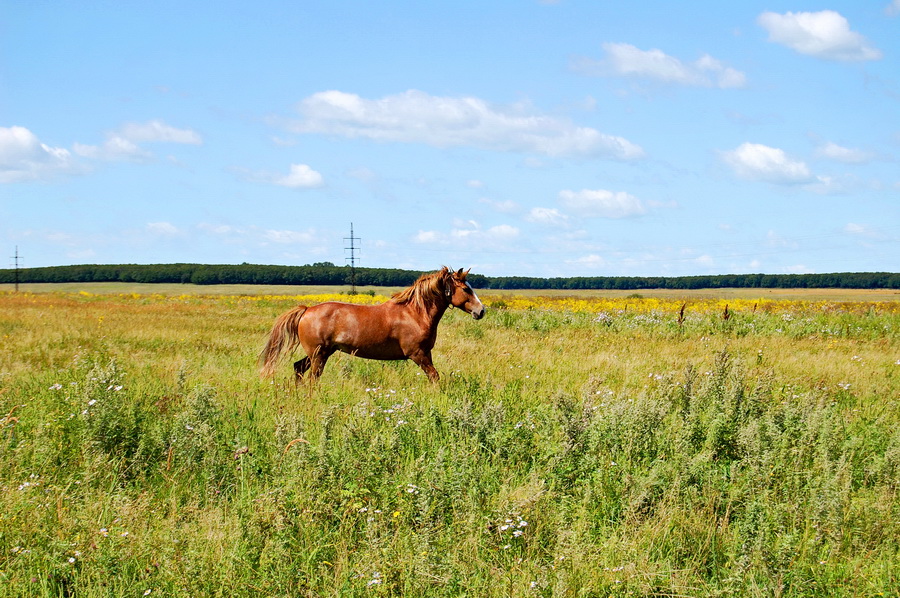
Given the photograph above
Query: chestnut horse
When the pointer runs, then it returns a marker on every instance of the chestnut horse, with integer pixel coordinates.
(404, 327)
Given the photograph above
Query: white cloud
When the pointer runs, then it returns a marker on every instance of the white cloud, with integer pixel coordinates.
(705, 260)
(589, 261)
(629, 61)
(218, 229)
(470, 232)
(165, 229)
(756, 162)
(867, 232)
(417, 117)
(254, 235)
(502, 232)
(278, 141)
(834, 151)
(857, 229)
(290, 236)
(123, 143)
(893, 9)
(600, 203)
(24, 158)
(300, 176)
(427, 237)
(829, 185)
(156, 131)
(825, 34)
(504, 207)
(547, 216)
(114, 148)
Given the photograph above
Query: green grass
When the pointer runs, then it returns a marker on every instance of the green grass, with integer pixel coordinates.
(562, 454)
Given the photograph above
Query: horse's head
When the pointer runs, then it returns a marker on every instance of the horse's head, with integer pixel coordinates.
(460, 293)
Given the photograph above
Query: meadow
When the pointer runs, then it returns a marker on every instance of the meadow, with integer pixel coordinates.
(710, 444)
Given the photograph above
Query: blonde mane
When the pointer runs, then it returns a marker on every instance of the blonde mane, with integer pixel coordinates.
(426, 291)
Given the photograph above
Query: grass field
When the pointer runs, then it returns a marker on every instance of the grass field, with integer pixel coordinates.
(580, 445)
(106, 288)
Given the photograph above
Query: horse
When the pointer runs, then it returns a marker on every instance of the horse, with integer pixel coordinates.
(404, 327)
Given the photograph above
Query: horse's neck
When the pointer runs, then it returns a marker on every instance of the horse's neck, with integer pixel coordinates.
(435, 312)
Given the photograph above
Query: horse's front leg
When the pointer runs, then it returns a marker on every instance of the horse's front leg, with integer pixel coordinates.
(423, 360)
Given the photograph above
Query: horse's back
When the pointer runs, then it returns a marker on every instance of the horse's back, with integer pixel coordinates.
(369, 331)
(337, 322)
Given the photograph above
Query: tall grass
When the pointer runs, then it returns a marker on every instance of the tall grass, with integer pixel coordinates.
(566, 452)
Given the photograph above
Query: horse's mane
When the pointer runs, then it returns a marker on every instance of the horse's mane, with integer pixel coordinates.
(425, 292)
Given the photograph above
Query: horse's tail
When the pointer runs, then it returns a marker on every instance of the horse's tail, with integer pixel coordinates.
(284, 336)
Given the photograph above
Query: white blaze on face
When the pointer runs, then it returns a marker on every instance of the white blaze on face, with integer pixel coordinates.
(477, 310)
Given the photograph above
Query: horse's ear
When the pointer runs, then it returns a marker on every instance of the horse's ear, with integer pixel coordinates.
(446, 275)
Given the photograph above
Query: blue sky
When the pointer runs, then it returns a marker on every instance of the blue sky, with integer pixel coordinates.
(569, 138)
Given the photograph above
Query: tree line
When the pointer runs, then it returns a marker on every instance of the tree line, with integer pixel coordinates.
(322, 273)
(840, 280)
(326, 273)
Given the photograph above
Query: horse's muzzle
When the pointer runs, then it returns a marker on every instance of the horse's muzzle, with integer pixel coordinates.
(478, 314)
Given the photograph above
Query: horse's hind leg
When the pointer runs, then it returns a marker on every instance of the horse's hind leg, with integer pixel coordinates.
(317, 363)
(313, 363)
(300, 368)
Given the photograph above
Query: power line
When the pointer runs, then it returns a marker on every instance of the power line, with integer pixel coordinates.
(352, 259)
(15, 259)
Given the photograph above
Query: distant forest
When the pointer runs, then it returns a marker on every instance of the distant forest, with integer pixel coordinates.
(326, 273)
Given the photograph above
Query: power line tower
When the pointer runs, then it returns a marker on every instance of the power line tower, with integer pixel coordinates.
(352, 259)
(15, 259)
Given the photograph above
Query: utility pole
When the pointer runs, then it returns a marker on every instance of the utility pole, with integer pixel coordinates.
(352, 259)
(16, 266)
